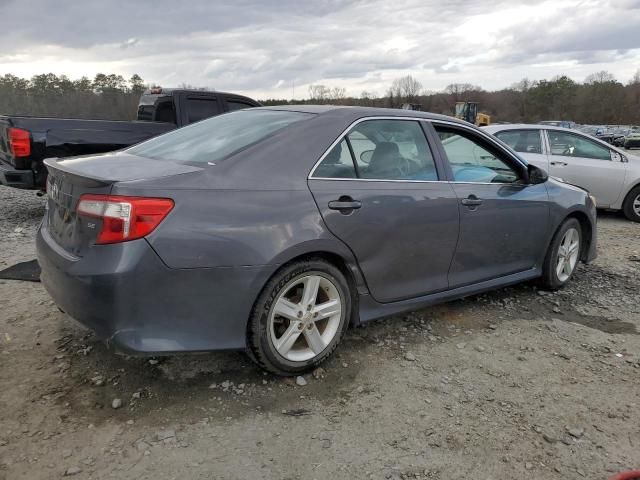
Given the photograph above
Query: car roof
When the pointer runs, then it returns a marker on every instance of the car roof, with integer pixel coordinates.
(171, 91)
(351, 111)
(526, 126)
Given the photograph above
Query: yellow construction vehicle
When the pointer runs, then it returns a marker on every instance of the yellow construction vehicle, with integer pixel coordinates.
(468, 111)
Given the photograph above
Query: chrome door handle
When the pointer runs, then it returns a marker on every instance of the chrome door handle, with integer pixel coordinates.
(471, 201)
(345, 204)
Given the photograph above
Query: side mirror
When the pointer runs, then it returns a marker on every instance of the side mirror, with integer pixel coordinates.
(537, 175)
(617, 157)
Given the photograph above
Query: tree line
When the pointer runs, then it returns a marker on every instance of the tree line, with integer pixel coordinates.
(107, 96)
(600, 99)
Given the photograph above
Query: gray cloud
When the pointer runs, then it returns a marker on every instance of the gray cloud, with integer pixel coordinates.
(264, 47)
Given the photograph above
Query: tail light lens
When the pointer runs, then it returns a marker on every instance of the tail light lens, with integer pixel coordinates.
(20, 142)
(124, 218)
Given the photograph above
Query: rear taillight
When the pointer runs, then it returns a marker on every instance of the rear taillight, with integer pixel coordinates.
(124, 218)
(20, 142)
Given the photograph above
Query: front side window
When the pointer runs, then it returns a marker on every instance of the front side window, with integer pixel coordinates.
(471, 161)
(570, 145)
(524, 141)
(216, 138)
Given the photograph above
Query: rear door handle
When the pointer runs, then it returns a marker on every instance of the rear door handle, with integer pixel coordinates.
(562, 164)
(471, 201)
(345, 204)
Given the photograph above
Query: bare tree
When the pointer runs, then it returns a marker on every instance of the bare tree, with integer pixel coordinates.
(600, 77)
(460, 91)
(319, 93)
(406, 89)
(338, 93)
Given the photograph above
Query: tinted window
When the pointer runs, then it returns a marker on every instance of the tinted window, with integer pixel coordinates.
(201, 108)
(156, 108)
(337, 164)
(525, 141)
(571, 145)
(218, 137)
(471, 161)
(234, 105)
(392, 150)
(165, 112)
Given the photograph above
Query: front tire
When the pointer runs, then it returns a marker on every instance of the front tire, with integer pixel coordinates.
(299, 318)
(563, 255)
(631, 206)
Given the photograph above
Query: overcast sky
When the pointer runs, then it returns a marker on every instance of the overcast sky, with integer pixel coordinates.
(264, 48)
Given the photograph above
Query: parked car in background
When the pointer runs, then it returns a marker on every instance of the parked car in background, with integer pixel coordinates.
(609, 173)
(273, 229)
(632, 140)
(619, 134)
(26, 141)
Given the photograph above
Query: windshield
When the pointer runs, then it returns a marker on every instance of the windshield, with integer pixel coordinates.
(213, 139)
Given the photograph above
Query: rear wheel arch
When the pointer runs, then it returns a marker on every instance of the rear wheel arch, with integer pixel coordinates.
(347, 267)
(260, 343)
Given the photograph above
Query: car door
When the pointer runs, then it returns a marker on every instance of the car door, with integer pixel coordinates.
(379, 190)
(503, 219)
(528, 143)
(587, 163)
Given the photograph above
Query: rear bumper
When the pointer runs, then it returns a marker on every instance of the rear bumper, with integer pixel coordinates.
(11, 177)
(132, 300)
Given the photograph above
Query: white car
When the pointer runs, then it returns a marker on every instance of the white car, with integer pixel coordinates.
(608, 173)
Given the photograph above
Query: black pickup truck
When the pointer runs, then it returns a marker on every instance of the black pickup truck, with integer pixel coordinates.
(26, 141)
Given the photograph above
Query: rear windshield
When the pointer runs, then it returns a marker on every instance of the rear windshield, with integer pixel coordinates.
(215, 138)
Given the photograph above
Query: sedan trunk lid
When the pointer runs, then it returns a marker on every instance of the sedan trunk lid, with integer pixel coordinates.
(69, 179)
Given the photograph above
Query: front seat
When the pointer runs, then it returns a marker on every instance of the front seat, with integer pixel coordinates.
(385, 161)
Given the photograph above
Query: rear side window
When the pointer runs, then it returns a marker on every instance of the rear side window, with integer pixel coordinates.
(337, 164)
(524, 141)
(570, 145)
(156, 108)
(381, 150)
(201, 108)
(216, 138)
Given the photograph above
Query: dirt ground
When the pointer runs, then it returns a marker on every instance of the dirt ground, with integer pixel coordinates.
(513, 384)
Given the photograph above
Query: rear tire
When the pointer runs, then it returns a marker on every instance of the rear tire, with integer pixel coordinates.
(631, 206)
(292, 329)
(563, 255)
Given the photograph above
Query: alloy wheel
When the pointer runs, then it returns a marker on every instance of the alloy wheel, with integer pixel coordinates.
(636, 205)
(568, 252)
(305, 317)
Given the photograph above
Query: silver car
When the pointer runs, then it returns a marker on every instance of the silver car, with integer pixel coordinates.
(610, 174)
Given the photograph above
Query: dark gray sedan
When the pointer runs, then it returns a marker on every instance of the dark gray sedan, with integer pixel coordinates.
(274, 229)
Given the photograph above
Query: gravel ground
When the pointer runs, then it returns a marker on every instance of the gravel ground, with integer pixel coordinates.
(513, 384)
